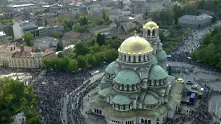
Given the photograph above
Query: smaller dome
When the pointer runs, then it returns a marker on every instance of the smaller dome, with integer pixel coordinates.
(150, 25)
(111, 68)
(154, 59)
(157, 73)
(135, 45)
(122, 100)
(161, 55)
(127, 76)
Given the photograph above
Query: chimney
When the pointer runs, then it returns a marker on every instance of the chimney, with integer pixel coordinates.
(22, 48)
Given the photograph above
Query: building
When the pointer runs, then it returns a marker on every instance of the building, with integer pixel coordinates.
(82, 9)
(46, 42)
(95, 11)
(195, 21)
(71, 38)
(136, 88)
(20, 28)
(3, 38)
(23, 57)
(139, 7)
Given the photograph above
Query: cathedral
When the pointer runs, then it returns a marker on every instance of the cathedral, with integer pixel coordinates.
(136, 87)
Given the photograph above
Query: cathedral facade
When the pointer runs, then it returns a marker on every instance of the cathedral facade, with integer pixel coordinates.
(136, 88)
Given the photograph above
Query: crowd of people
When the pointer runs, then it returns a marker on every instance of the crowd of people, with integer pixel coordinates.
(77, 100)
(51, 87)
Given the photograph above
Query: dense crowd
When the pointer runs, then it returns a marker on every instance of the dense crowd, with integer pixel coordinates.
(77, 100)
(51, 87)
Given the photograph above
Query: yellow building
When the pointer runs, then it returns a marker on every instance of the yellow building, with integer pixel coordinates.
(23, 57)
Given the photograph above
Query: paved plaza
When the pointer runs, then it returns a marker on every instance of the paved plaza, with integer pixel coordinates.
(204, 75)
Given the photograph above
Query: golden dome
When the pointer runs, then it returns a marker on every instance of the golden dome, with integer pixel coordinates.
(135, 45)
(150, 25)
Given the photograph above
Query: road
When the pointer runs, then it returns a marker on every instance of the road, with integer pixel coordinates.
(193, 40)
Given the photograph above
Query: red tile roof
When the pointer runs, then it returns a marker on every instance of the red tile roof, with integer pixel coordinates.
(48, 52)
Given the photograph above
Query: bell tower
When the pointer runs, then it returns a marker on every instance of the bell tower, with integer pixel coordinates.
(151, 34)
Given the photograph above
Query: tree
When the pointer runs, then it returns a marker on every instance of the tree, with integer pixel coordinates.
(34, 120)
(104, 15)
(78, 28)
(28, 38)
(83, 20)
(60, 55)
(162, 36)
(54, 34)
(91, 60)
(59, 47)
(73, 65)
(115, 44)
(99, 57)
(82, 63)
(81, 49)
(95, 48)
(178, 12)
(111, 55)
(100, 39)
(13, 98)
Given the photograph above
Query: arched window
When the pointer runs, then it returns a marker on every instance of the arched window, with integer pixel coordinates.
(149, 83)
(142, 121)
(124, 107)
(145, 121)
(134, 59)
(148, 32)
(139, 59)
(149, 121)
(124, 57)
(100, 112)
(129, 58)
(153, 32)
(128, 87)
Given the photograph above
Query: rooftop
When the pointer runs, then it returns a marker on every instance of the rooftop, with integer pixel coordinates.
(193, 17)
(2, 33)
(26, 25)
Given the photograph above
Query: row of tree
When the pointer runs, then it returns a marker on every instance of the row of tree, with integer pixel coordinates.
(15, 98)
(86, 54)
(210, 49)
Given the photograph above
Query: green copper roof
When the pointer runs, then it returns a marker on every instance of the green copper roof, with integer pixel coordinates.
(149, 99)
(127, 76)
(157, 73)
(154, 59)
(105, 92)
(121, 100)
(161, 55)
(110, 68)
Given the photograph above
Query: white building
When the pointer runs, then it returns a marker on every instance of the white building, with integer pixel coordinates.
(3, 38)
(20, 28)
(139, 7)
(195, 21)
